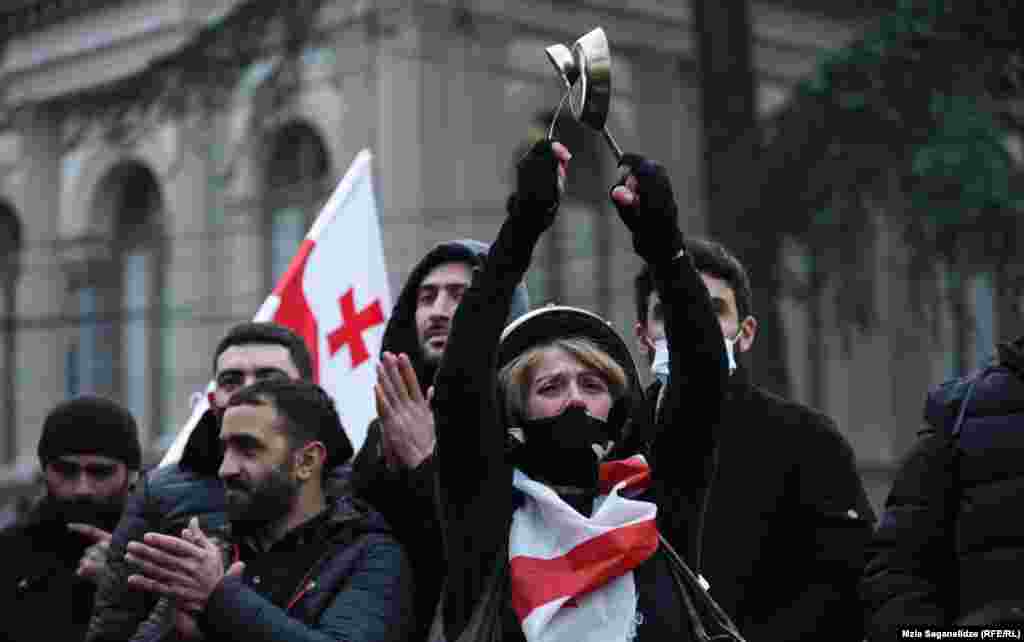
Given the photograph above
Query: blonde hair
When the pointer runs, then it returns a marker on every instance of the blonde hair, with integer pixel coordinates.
(514, 379)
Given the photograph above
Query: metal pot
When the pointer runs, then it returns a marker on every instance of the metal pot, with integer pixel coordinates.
(586, 71)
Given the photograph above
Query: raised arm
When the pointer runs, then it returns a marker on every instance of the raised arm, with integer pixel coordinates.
(692, 403)
(682, 438)
(475, 481)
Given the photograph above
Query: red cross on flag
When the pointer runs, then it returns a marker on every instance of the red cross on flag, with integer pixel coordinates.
(335, 295)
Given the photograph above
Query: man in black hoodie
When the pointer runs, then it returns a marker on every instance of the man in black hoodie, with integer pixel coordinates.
(787, 519)
(394, 470)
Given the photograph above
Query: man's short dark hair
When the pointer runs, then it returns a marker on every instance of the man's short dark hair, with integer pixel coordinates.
(307, 413)
(264, 332)
(711, 258)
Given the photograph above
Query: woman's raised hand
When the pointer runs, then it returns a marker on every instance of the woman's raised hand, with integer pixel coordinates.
(643, 197)
(540, 181)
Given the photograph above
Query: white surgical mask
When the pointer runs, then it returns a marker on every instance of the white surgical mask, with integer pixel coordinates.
(730, 347)
(659, 366)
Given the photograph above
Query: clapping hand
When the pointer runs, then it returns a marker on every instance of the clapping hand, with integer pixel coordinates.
(186, 569)
(406, 420)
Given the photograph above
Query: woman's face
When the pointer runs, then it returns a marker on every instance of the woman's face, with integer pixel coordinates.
(559, 380)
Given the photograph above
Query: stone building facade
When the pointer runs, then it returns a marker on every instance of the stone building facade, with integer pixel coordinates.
(128, 249)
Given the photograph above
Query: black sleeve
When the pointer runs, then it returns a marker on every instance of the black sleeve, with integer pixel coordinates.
(474, 478)
(683, 451)
(372, 606)
(407, 500)
(839, 519)
(910, 579)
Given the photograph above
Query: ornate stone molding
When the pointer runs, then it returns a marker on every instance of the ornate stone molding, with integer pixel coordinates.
(85, 259)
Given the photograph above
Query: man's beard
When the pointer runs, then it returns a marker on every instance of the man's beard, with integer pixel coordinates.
(102, 513)
(431, 356)
(256, 506)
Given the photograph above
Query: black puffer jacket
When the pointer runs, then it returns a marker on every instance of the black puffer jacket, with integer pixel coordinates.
(406, 498)
(167, 498)
(950, 547)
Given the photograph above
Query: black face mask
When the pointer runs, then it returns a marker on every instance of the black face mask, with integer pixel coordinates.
(559, 450)
(102, 513)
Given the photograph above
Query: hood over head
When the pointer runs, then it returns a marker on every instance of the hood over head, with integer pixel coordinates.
(400, 334)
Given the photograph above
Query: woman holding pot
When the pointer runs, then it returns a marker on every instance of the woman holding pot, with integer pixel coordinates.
(561, 514)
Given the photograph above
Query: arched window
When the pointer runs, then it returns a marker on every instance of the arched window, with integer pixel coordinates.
(119, 347)
(298, 171)
(10, 246)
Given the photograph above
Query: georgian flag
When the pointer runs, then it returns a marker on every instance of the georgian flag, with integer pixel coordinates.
(334, 295)
(572, 576)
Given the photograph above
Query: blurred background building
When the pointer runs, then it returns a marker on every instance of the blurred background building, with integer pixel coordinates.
(160, 160)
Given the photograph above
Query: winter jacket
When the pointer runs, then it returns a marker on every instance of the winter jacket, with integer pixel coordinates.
(41, 598)
(165, 500)
(787, 521)
(475, 474)
(356, 586)
(407, 498)
(950, 547)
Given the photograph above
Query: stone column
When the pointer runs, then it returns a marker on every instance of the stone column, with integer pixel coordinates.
(41, 332)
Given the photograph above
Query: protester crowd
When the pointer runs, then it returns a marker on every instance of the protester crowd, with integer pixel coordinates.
(519, 483)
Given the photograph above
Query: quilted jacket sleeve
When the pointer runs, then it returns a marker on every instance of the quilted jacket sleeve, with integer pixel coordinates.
(118, 611)
(373, 605)
(912, 566)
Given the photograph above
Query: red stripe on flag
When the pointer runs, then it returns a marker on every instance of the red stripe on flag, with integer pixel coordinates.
(634, 471)
(294, 311)
(588, 566)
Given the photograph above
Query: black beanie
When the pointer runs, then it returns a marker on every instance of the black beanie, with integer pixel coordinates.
(90, 426)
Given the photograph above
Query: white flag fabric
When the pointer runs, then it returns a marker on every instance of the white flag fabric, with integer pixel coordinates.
(572, 575)
(334, 295)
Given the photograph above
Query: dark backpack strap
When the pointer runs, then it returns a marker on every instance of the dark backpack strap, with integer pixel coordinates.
(707, 619)
(967, 399)
(952, 500)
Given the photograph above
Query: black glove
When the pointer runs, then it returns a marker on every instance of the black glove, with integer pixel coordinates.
(653, 218)
(532, 208)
